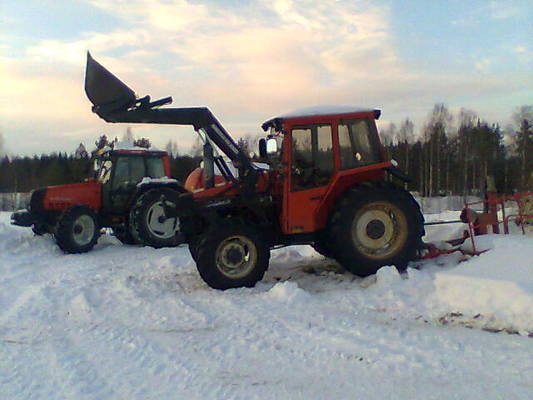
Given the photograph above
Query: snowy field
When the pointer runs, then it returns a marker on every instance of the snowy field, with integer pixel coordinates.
(124, 322)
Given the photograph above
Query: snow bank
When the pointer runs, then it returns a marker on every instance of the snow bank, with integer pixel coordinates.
(288, 292)
(495, 288)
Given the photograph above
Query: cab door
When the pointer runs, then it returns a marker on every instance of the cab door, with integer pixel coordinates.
(128, 172)
(312, 167)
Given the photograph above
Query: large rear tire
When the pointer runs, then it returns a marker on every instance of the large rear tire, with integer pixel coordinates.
(374, 227)
(194, 243)
(151, 223)
(232, 256)
(77, 230)
(322, 246)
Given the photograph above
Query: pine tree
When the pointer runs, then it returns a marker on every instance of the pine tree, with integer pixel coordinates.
(81, 152)
(524, 143)
(243, 144)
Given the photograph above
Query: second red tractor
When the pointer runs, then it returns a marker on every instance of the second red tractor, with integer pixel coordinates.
(124, 195)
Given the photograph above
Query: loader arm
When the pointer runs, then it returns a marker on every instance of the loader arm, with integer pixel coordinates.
(114, 101)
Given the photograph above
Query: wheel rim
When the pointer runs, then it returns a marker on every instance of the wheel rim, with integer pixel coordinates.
(83, 230)
(236, 256)
(379, 230)
(158, 224)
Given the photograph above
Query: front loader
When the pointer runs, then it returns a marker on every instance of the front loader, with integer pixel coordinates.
(328, 183)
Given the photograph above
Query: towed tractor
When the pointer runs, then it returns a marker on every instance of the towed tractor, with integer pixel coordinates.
(328, 184)
(124, 195)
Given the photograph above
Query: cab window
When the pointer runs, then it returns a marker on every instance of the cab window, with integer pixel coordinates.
(357, 143)
(154, 167)
(137, 169)
(312, 156)
(128, 171)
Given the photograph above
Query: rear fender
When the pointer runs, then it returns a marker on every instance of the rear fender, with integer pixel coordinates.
(344, 180)
(141, 189)
(174, 186)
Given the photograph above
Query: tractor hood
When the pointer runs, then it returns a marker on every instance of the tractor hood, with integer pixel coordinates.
(104, 89)
(62, 197)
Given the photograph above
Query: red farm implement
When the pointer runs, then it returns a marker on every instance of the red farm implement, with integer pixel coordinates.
(498, 215)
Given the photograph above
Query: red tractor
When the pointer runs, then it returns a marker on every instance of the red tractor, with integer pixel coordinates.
(328, 184)
(125, 195)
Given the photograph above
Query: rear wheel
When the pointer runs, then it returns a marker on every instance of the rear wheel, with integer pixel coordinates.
(77, 230)
(376, 227)
(322, 246)
(232, 256)
(150, 221)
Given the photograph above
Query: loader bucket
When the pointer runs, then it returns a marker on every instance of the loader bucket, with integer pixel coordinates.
(104, 89)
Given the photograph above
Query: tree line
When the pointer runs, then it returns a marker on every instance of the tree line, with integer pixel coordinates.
(454, 154)
(451, 155)
(23, 174)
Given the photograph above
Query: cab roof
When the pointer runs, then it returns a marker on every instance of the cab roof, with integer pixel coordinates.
(326, 110)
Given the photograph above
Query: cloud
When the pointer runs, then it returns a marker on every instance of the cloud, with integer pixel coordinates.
(246, 62)
(268, 57)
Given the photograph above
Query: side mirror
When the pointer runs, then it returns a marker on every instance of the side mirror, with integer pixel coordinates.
(271, 146)
(262, 148)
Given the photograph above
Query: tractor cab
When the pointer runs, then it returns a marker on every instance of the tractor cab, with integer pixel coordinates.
(120, 171)
(318, 153)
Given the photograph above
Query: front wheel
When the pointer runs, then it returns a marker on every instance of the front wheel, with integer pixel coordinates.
(376, 227)
(232, 256)
(77, 230)
(39, 229)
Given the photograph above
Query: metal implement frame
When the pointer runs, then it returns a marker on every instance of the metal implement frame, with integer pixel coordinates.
(481, 223)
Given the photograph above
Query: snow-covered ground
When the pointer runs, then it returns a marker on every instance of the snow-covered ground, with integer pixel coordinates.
(125, 322)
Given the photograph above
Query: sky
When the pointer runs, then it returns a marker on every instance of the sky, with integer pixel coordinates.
(251, 60)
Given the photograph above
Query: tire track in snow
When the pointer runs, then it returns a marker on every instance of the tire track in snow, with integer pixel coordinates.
(76, 374)
(144, 364)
